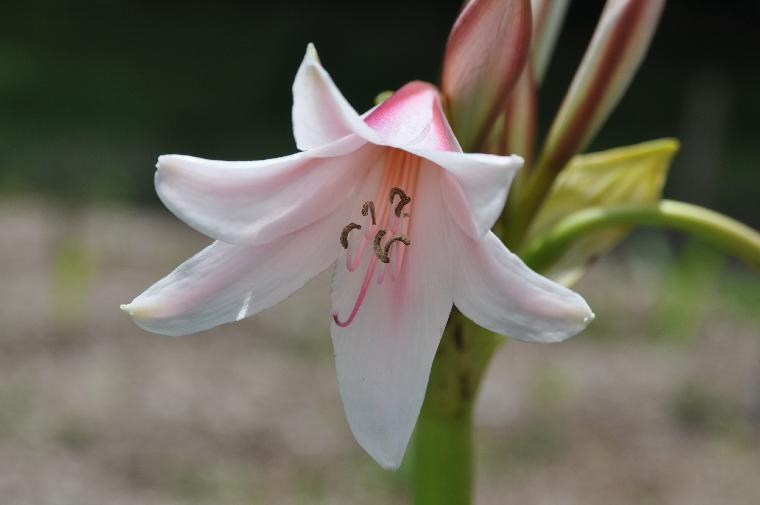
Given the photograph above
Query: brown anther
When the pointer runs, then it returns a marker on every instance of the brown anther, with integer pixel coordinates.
(398, 238)
(346, 231)
(369, 208)
(379, 252)
(403, 199)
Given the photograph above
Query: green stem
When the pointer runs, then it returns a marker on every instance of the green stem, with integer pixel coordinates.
(442, 465)
(525, 200)
(721, 231)
(443, 470)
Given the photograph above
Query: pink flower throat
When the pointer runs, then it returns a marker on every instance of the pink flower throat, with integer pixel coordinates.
(387, 221)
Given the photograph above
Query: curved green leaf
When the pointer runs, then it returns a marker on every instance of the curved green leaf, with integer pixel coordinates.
(632, 174)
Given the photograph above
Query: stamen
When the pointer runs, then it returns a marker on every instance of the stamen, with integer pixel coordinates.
(395, 268)
(398, 261)
(381, 275)
(386, 218)
(413, 174)
(359, 299)
(353, 262)
(369, 207)
(382, 252)
(378, 247)
(403, 199)
(344, 234)
(398, 238)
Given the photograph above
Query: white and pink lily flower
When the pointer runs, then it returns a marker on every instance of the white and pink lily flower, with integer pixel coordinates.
(390, 202)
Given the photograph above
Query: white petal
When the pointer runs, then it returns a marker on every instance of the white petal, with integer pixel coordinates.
(384, 356)
(225, 282)
(321, 114)
(494, 288)
(476, 186)
(254, 202)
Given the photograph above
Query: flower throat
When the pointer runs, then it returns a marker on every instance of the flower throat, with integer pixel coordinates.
(387, 224)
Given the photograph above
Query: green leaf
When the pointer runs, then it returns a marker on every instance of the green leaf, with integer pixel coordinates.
(631, 174)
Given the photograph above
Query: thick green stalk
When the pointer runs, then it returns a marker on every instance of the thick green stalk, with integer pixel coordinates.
(726, 234)
(443, 469)
(442, 465)
(525, 200)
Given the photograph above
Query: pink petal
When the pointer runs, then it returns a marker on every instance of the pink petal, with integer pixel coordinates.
(321, 114)
(225, 283)
(487, 49)
(413, 118)
(474, 186)
(254, 202)
(494, 288)
(384, 356)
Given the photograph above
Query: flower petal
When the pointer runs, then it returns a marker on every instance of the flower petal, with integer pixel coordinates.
(485, 54)
(494, 288)
(225, 282)
(321, 114)
(413, 117)
(474, 187)
(384, 356)
(254, 202)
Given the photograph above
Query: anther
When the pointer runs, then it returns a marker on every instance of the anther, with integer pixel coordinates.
(403, 199)
(369, 207)
(379, 252)
(398, 238)
(344, 234)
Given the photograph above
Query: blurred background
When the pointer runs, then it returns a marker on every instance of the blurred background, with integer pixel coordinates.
(657, 403)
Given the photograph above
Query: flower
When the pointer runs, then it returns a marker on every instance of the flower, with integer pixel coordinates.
(391, 201)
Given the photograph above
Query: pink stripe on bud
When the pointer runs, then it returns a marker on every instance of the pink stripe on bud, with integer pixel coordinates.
(620, 41)
(548, 17)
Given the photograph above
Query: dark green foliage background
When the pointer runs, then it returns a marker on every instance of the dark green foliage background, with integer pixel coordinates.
(91, 92)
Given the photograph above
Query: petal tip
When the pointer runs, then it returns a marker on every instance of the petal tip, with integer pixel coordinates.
(517, 160)
(391, 466)
(167, 162)
(134, 311)
(311, 54)
(388, 460)
(583, 314)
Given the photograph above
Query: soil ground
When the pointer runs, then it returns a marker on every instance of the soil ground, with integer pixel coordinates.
(657, 403)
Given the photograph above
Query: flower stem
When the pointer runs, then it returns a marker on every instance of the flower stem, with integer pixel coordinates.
(716, 229)
(442, 465)
(443, 469)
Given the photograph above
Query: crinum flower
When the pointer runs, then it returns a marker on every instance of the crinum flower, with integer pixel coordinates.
(401, 214)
